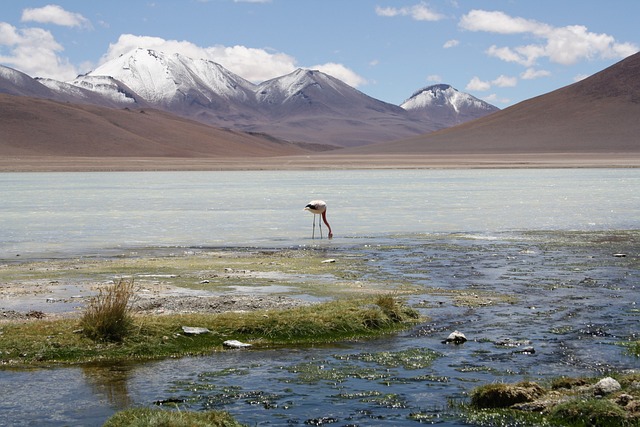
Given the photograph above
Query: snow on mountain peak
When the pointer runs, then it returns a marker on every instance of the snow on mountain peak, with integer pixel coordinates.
(162, 78)
(443, 95)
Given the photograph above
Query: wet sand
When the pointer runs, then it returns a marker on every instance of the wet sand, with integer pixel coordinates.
(320, 161)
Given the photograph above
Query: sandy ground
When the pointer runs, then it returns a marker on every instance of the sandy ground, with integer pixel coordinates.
(42, 299)
(322, 161)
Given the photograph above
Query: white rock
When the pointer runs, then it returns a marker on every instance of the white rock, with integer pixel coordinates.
(235, 344)
(455, 337)
(607, 385)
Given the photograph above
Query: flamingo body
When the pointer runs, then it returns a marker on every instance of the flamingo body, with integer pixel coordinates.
(319, 207)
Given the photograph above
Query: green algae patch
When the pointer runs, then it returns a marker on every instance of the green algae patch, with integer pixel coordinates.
(291, 271)
(371, 366)
(45, 342)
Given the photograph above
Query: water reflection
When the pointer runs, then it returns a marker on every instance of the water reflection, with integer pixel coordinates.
(110, 381)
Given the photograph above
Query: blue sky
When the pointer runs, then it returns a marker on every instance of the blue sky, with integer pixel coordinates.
(502, 51)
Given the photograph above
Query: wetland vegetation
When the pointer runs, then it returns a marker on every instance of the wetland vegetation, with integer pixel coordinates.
(567, 296)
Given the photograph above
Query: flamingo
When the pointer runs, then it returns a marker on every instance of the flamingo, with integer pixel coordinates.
(318, 207)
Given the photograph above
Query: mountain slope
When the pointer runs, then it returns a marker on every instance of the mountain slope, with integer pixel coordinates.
(40, 127)
(597, 114)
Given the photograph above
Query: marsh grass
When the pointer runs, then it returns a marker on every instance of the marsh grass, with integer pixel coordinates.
(107, 316)
(152, 417)
(41, 342)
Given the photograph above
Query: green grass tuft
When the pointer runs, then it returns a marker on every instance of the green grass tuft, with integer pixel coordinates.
(107, 316)
(151, 417)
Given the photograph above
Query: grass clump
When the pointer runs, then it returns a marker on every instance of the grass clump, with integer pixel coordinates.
(152, 417)
(107, 316)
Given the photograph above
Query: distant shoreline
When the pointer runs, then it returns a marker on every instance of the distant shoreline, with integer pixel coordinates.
(321, 162)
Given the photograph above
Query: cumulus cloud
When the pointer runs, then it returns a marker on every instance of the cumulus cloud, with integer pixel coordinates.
(505, 81)
(34, 51)
(54, 14)
(563, 45)
(341, 72)
(531, 74)
(256, 65)
(476, 84)
(451, 43)
(418, 12)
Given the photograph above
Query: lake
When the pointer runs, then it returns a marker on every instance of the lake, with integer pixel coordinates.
(544, 237)
(51, 214)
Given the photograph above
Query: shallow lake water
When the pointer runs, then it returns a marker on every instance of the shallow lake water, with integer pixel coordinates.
(531, 251)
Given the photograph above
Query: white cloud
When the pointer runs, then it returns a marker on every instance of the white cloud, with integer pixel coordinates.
(418, 12)
(580, 77)
(341, 72)
(505, 81)
(54, 14)
(436, 78)
(256, 65)
(495, 99)
(531, 74)
(34, 51)
(563, 45)
(476, 84)
(451, 43)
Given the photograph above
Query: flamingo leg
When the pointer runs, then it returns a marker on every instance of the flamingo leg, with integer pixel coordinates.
(313, 233)
(320, 226)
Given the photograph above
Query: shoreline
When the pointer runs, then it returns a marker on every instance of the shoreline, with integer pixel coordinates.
(325, 161)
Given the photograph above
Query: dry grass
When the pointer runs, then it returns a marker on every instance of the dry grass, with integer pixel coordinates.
(107, 316)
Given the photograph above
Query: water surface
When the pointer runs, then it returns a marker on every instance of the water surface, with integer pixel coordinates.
(535, 247)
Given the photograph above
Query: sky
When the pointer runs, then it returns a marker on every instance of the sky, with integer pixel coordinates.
(501, 51)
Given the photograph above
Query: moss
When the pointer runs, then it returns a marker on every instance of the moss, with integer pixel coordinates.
(151, 417)
(590, 412)
(502, 395)
(565, 402)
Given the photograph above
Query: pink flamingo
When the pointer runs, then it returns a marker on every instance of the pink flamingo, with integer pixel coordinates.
(318, 207)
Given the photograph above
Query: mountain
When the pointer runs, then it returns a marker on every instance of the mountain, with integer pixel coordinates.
(599, 114)
(446, 106)
(308, 105)
(305, 105)
(42, 127)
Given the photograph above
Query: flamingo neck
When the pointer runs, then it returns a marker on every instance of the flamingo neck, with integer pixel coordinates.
(324, 218)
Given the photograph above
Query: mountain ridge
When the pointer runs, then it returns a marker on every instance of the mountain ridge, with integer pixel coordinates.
(305, 105)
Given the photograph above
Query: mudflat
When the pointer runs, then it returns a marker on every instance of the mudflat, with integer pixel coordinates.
(321, 161)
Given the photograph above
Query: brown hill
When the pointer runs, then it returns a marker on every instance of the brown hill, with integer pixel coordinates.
(40, 127)
(596, 115)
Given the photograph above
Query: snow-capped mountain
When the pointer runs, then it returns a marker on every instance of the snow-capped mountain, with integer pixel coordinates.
(446, 105)
(174, 80)
(305, 105)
